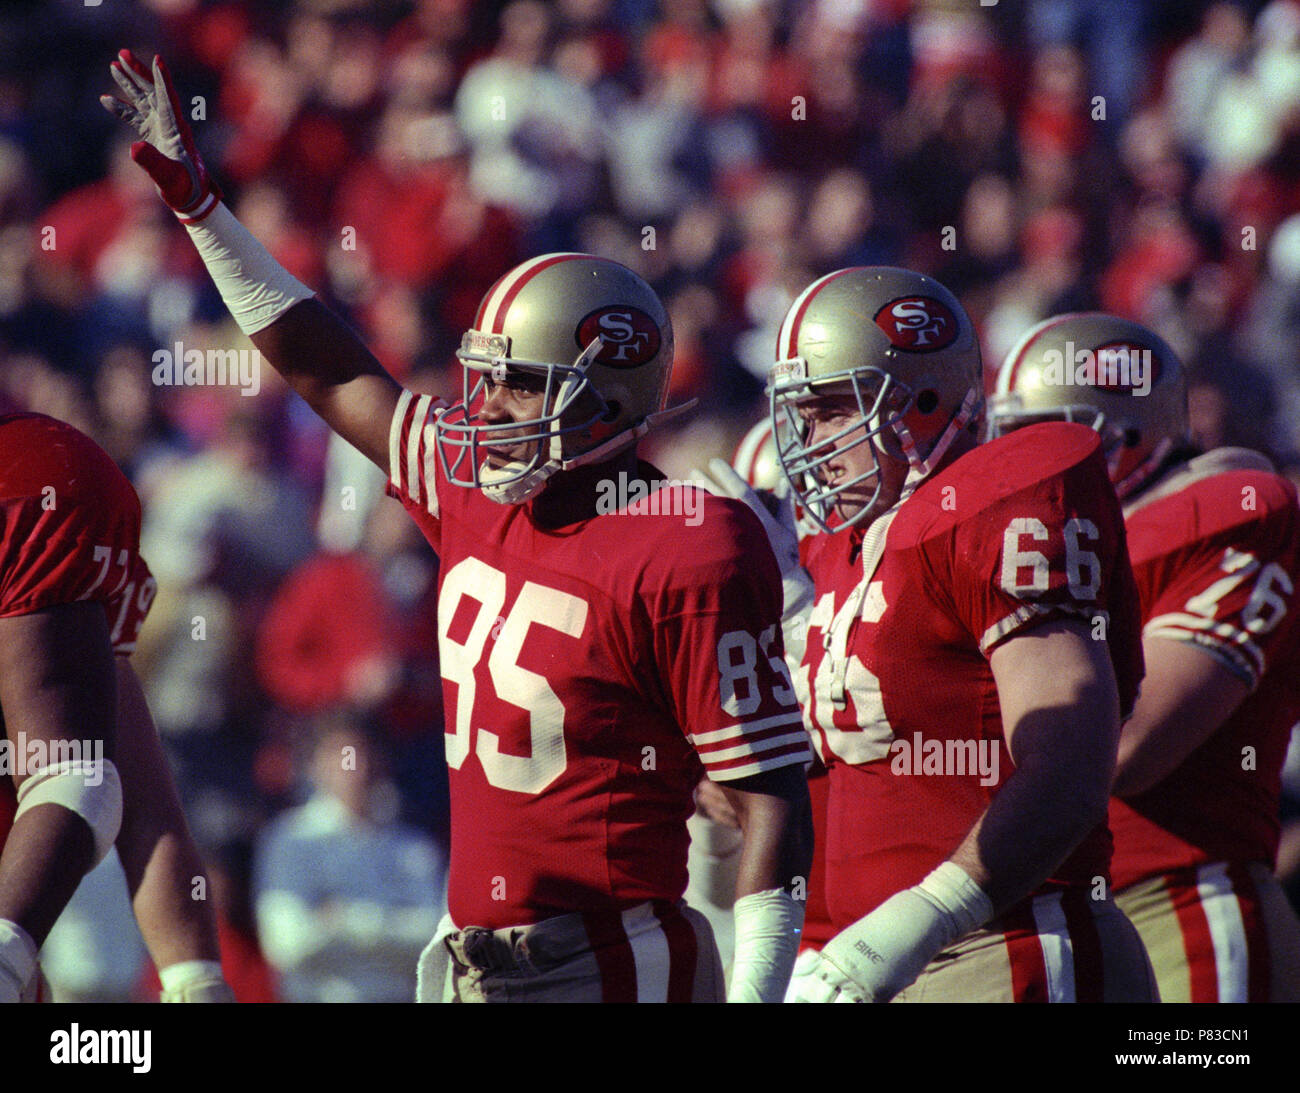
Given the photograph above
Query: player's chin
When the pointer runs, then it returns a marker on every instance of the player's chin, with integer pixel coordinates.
(850, 505)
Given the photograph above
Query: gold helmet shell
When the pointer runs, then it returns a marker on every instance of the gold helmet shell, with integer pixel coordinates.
(1111, 374)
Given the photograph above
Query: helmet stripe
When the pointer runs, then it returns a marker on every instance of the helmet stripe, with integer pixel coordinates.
(487, 296)
(492, 301)
(1006, 381)
(526, 273)
(790, 331)
(750, 448)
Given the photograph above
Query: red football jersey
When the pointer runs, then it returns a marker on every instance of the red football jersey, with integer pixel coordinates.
(591, 674)
(903, 704)
(130, 607)
(71, 520)
(1217, 560)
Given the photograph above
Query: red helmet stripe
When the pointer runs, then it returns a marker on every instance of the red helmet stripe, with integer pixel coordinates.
(1006, 382)
(809, 294)
(526, 275)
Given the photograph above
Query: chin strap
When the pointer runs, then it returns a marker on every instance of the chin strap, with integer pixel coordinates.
(919, 469)
(621, 440)
(519, 490)
(529, 485)
(1141, 474)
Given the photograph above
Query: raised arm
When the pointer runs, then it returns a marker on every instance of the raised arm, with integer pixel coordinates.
(318, 354)
(324, 360)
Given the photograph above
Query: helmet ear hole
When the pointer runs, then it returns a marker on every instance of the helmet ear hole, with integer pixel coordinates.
(927, 401)
(1132, 437)
(614, 409)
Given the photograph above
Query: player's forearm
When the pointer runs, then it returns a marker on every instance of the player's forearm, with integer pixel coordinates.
(258, 290)
(1186, 696)
(316, 352)
(776, 820)
(777, 825)
(1038, 816)
(1044, 810)
(1146, 756)
(326, 362)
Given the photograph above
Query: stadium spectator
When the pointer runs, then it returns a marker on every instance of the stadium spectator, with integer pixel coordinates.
(346, 898)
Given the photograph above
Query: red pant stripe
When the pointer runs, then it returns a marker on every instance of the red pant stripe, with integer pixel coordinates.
(613, 954)
(683, 952)
(1025, 954)
(1085, 944)
(1198, 945)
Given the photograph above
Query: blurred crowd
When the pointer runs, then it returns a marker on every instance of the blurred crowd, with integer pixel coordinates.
(398, 155)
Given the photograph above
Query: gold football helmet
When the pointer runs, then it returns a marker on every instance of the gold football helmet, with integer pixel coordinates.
(587, 327)
(901, 344)
(1105, 372)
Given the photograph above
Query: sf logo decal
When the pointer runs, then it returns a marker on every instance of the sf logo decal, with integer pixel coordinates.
(628, 336)
(918, 323)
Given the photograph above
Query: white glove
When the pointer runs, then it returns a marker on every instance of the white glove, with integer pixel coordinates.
(806, 984)
(883, 952)
(148, 104)
(768, 925)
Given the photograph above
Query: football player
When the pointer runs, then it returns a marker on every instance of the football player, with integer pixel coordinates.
(972, 643)
(755, 473)
(603, 641)
(715, 837)
(73, 594)
(1215, 544)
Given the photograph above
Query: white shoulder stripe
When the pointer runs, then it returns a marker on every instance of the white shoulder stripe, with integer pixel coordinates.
(759, 765)
(1027, 611)
(1209, 632)
(414, 469)
(744, 748)
(395, 441)
(740, 728)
